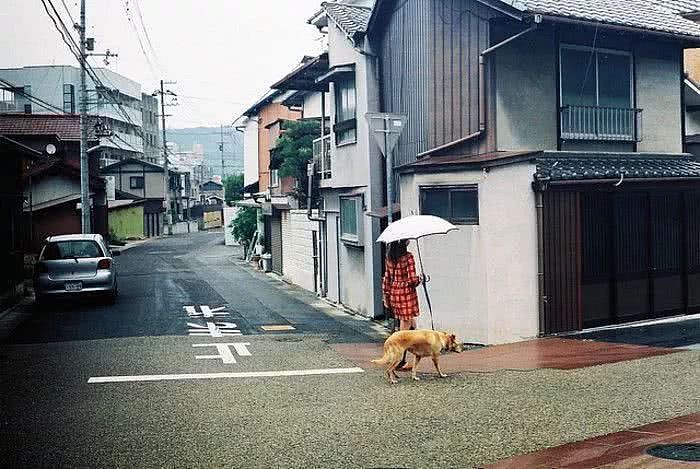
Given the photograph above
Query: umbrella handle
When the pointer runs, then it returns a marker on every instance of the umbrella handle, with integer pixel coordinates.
(425, 287)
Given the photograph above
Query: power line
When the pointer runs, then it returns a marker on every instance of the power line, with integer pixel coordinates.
(138, 38)
(68, 11)
(145, 32)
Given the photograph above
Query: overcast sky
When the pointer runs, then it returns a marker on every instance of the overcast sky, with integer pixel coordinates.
(224, 54)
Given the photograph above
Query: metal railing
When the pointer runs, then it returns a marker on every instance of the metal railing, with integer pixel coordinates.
(322, 156)
(601, 123)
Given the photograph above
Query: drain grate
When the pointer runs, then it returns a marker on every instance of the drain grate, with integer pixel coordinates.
(677, 452)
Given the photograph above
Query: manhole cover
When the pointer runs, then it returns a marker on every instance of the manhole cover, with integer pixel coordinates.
(677, 452)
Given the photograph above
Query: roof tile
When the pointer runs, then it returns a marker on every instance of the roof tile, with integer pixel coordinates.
(65, 127)
(352, 19)
(652, 15)
(575, 167)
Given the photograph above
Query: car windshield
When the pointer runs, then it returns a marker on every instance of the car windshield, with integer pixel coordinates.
(71, 250)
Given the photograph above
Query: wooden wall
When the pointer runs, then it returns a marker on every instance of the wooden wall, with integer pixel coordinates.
(429, 65)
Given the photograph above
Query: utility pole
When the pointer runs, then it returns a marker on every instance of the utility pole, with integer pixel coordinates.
(84, 162)
(166, 172)
(221, 149)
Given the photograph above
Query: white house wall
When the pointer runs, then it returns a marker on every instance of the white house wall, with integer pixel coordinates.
(483, 277)
(250, 152)
(354, 272)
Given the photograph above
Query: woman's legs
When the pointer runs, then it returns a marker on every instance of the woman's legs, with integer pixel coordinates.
(405, 324)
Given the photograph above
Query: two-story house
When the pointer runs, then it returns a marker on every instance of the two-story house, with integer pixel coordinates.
(552, 133)
(349, 166)
(138, 179)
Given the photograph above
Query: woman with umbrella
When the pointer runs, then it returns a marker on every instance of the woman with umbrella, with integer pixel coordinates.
(400, 283)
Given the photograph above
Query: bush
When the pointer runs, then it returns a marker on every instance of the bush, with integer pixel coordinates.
(244, 226)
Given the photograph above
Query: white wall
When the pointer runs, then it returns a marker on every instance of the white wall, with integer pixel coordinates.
(312, 105)
(297, 248)
(483, 277)
(250, 151)
(355, 167)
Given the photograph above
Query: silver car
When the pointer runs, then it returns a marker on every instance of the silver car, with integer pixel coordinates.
(75, 265)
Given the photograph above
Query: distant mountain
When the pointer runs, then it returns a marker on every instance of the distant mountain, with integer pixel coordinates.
(210, 137)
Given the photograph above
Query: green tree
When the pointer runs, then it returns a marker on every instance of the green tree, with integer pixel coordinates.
(245, 223)
(233, 185)
(293, 150)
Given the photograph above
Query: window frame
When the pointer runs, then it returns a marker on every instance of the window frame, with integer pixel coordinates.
(69, 92)
(274, 178)
(351, 238)
(596, 51)
(451, 189)
(346, 125)
(132, 179)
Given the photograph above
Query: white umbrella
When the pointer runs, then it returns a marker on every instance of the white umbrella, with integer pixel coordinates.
(415, 227)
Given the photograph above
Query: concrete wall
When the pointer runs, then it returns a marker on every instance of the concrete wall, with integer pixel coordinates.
(526, 91)
(186, 227)
(658, 72)
(526, 94)
(297, 248)
(483, 277)
(126, 222)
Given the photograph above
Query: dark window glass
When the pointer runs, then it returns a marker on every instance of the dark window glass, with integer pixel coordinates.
(348, 217)
(458, 205)
(136, 182)
(578, 69)
(71, 250)
(614, 77)
(345, 110)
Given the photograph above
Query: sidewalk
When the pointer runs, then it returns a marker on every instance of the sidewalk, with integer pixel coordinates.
(626, 449)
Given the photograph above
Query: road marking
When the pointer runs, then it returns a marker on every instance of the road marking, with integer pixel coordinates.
(213, 329)
(280, 327)
(239, 374)
(205, 311)
(225, 353)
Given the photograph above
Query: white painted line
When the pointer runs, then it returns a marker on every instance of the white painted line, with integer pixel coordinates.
(238, 374)
(225, 353)
(205, 311)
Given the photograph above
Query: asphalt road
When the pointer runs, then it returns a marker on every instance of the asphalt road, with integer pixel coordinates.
(72, 389)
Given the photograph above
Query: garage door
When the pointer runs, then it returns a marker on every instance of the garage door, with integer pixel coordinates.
(276, 243)
(617, 257)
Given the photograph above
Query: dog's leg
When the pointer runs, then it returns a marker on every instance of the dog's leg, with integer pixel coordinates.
(391, 372)
(416, 360)
(437, 366)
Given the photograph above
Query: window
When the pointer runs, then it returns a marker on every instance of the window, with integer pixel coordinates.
(345, 111)
(595, 77)
(596, 95)
(69, 98)
(458, 204)
(350, 211)
(136, 182)
(70, 250)
(274, 178)
(8, 100)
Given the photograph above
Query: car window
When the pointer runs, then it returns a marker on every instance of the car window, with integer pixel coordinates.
(71, 250)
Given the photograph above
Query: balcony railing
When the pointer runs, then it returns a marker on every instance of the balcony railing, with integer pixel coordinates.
(601, 123)
(322, 156)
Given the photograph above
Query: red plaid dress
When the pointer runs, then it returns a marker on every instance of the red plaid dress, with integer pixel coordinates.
(399, 287)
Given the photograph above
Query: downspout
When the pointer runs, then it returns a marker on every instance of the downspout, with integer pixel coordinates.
(541, 299)
(482, 68)
(320, 219)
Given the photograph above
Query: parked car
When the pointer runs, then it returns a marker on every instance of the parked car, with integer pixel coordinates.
(75, 265)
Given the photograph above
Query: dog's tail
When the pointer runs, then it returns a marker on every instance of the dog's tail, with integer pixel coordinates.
(384, 360)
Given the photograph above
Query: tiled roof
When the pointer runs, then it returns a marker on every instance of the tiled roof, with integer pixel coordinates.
(65, 127)
(681, 7)
(579, 166)
(352, 19)
(641, 14)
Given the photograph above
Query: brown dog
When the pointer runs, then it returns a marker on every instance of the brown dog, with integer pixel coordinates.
(421, 343)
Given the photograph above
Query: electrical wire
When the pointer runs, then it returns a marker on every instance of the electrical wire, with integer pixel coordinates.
(138, 38)
(145, 32)
(40, 102)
